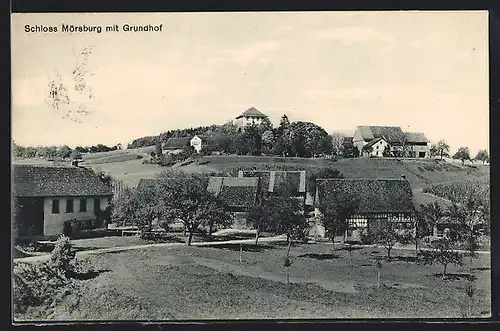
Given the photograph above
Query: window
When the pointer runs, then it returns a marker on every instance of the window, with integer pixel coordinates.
(97, 204)
(83, 205)
(55, 206)
(69, 205)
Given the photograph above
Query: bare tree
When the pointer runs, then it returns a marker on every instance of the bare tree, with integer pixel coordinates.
(337, 142)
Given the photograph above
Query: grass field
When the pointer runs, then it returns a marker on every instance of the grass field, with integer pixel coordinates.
(210, 283)
(420, 173)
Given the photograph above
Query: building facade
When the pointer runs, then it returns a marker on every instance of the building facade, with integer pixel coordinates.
(50, 200)
(407, 144)
(249, 117)
(380, 200)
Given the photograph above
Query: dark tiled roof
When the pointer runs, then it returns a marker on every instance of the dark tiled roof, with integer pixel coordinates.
(176, 143)
(392, 134)
(252, 112)
(273, 180)
(235, 191)
(376, 196)
(49, 181)
(416, 137)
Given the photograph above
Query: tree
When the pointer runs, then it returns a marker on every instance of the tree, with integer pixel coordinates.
(253, 139)
(472, 219)
(125, 207)
(284, 125)
(260, 217)
(265, 125)
(428, 216)
(337, 142)
(462, 154)
(158, 149)
(483, 156)
(388, 235)
(336, 211)
(402, 144)
(185, 198)
(288, 214)
(75, 155)
(267, 141)
(433, 151)
(443, 149)
(442, 253)
(387, 151)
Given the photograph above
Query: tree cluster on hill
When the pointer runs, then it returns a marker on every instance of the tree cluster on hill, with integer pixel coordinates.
(177, 133)
(63, 151)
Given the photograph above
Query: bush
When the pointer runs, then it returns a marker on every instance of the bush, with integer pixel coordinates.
(62, 258)
(36, 284)
(366, 238)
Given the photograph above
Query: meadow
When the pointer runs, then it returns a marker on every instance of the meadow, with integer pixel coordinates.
(190, 283)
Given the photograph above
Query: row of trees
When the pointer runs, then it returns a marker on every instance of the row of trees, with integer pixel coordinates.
(442, 149)
(299, 139)
(63, 151)
(175, 198)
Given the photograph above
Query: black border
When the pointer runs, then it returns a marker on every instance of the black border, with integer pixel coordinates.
(493, 6)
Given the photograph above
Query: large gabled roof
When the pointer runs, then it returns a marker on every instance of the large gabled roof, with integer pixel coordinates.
(53, 181)
(274, 180)
(416, 137)
(391, 134)
(375, 195)
(252, 112)
(235, 191)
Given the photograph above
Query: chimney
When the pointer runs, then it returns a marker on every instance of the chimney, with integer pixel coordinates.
(403, 177)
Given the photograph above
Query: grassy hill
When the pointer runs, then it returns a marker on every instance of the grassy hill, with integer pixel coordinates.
(420, 173)
(127, 166)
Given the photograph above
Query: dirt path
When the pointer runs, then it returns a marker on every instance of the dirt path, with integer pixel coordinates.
(249, 271)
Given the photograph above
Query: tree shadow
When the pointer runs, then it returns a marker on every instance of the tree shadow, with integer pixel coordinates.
(455, 276)
(87, 275)
(244, 247)
(320, 256)
(352, 248)
(400, 259)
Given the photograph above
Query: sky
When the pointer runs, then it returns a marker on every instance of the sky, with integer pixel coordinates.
(423, 71)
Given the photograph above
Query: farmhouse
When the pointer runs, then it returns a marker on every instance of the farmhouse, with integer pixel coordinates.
(53, 200)
(249, 116)
(175, 145)
(239, 194)
(415, 144)
(376, 147)
(380, 200)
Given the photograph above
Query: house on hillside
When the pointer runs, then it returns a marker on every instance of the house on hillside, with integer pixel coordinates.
(380, 200)
(54, 200)
(418, 145)
(175, 145)
(413, 143)
(240, 195)
(249, 116)
(376, 147)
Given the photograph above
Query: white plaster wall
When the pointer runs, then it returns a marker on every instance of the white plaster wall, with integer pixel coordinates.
(53, 223)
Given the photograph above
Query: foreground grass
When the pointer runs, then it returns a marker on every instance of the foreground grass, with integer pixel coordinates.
(210, 283)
